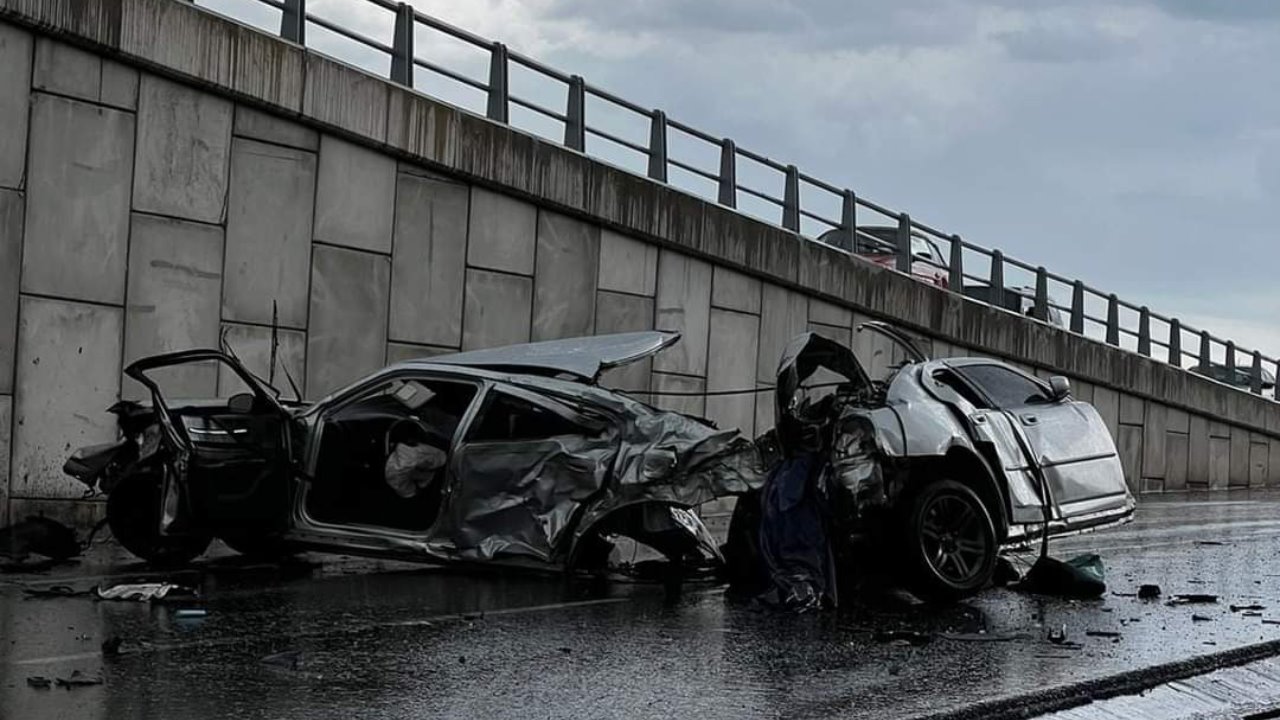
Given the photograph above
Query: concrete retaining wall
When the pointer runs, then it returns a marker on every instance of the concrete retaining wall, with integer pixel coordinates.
(167, 175)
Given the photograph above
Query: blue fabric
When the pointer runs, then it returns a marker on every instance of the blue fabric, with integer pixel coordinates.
(793, 535)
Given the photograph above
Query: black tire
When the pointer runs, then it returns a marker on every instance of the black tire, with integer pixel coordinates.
(133, 514)
(950, 541)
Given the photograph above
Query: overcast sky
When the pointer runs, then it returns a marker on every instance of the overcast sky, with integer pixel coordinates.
(1134, 144)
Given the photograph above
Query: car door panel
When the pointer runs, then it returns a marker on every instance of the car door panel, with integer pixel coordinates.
(519, 496)
(1077, 455)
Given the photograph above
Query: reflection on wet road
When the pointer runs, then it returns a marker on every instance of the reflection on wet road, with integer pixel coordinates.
(375, 639)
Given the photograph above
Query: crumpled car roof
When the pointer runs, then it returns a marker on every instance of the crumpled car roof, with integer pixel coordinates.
(582, 357)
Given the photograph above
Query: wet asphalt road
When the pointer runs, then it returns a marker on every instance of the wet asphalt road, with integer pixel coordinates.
(390, 640)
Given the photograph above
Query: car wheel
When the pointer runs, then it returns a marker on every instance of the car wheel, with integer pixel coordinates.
(133, 514)
(950, 541)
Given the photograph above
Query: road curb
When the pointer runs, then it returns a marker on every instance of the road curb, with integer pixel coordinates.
(1084, 692)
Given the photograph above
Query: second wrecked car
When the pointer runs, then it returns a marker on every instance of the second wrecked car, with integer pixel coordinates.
(934, 468)
(509, 455)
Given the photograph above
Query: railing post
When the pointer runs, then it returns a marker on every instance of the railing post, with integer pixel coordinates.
(1277, 387)
(1041, 308)
(658, 146)
(1255, 376)
(1113, 320)
(1230, 359)
(1175, 343)
(402, 47)
(847, 237)
(575, 122)
(997, 279)
(1144, 332)
(955, 270)
(1077, 307)
(499, 107)
(728, 173)
(293, 21)
(791, 200)
(1206, 352)
(903, 248)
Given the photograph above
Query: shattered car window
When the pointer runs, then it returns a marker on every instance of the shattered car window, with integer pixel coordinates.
(953, 382)
(1005, 387)
(382, 456)
(509, 418)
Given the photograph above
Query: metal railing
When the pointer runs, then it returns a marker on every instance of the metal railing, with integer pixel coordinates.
(968, 268)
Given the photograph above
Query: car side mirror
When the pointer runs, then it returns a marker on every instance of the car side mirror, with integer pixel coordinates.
(241, 403)
(1059, 388)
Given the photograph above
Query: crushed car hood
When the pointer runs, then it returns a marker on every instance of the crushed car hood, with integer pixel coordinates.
(584, 358)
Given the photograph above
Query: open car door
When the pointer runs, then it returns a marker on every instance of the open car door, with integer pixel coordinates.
(228, 462)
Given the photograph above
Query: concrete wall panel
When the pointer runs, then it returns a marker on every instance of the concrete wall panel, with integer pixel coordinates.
(827, 313)
(731, 365)
(355, 196)
(1107, 402)
(564, 285)
(268, 233)
(399, 352)
(1154, 449)
(429, 261)
(841, 335)
(6, 436)
(84, 152)
(1239, 472)
(15, 88)
(259, 125)
(618, 312)
(68, 375)
(174, 299)
(684, 306)
(1131, 409)
(627, 265)
(182, 164)
(497, 309)
(66, 70)
(252, 344)
(783, 314)
(1259, 462)
(119, 85)
(1177, 456)
(1130, 447)
(688, 404)
(11, 206)
(345, 97)
(1219, 462)
(502, 232)
(1273, 462)
(733, 290)
(1198, 451)
(347, 337)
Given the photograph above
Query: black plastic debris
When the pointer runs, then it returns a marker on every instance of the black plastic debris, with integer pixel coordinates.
(1254, 607)
(111, 646)
(53, 591)
(37, 536)
(77, 679)
(1005, 573)
(1201, 618)
(1058, 636)
(1148, 592)
(39, 682)
(1193, 599)
(1080, 577)
(985, 637)
(1102, 633)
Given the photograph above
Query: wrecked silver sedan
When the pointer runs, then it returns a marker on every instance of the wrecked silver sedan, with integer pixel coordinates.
(509, 455)
(930, 471)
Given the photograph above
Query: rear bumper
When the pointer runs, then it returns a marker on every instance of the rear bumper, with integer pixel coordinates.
(1021, 535)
